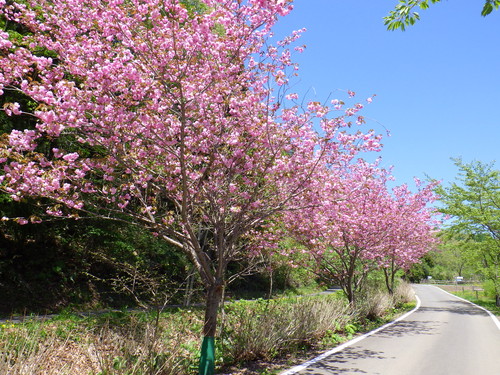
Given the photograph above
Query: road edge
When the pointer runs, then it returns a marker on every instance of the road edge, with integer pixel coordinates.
(492, 316)
(349, 343)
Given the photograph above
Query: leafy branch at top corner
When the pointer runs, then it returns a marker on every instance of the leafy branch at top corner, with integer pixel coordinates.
(489, 6)
(404, 14)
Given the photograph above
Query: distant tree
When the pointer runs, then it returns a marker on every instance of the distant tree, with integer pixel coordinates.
(343, 231)
(473, 203)
(422, 270)
(456, 254)
(404, 15)
(411, 227)
(474, 200)
(359, 225)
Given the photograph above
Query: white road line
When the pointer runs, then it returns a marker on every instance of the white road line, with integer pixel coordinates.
(493, 316)
(337, 349)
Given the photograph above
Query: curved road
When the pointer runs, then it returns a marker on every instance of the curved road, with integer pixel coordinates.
(445, 336)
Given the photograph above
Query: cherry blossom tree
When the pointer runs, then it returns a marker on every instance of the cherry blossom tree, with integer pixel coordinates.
(162, 113)
(360, 226)
(344, 231)
(411, 227)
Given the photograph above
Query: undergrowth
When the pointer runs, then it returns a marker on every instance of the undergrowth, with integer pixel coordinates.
(124, 343)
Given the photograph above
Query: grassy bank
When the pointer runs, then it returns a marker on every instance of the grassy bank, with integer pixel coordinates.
(168, 342)
(480, 294)
(481, 299)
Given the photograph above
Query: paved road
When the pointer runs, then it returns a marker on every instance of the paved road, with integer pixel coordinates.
(445, 336)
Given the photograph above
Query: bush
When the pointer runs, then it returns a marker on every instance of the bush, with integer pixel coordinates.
(489, 288)
(51, 266)
(374, 305)
(264, 328)
(168, 343)
(404, 293)
(139, 344)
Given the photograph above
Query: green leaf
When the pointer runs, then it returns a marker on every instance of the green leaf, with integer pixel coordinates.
(424, 5)
(487, 9)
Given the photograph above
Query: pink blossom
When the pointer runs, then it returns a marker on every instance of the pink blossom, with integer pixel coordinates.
(21, 221)
(71, 157)
(12, 109)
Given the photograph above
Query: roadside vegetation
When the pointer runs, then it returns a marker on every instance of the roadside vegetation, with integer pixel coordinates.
(91, 267)
(472, 239)
(167, 341)
(481, 300)
(483, 295)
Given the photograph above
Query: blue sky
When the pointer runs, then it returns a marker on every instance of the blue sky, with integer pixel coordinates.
(437, 83)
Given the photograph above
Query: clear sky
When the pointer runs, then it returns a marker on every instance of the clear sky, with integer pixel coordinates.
(437, 83)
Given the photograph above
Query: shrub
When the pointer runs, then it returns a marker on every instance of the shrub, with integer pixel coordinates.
(489, 288)
(168, 343)
(374, 305)
(404, 293)
(264, 328)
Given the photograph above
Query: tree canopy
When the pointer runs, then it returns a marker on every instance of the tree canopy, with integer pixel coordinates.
(473, 201)
(361, 225)
(473, 205)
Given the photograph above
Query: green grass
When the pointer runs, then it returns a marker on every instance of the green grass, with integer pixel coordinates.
(480, 299)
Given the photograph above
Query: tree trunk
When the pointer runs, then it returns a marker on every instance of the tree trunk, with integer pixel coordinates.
(498, 300)
(393, 283)
(387, 283)
(350, 278)
(349, 290)
(207, 359)
(271, 274)
(389, 280)
(390, 274)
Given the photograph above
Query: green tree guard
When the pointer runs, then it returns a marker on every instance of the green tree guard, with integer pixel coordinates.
(207, 359)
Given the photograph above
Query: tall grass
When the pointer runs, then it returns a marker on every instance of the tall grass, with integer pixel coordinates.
(266, 328)
(126, 344)
(377, 303)
(36, 349)
(404, 293)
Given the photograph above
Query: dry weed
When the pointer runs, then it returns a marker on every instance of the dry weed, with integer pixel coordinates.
(138, 348)
(375, 305)
(265, 328)
(404, 293)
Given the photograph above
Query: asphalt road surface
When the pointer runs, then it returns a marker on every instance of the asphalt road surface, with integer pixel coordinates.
(445, 336)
